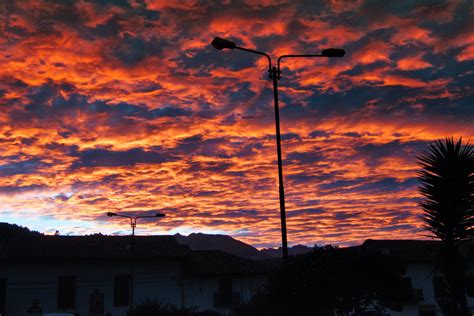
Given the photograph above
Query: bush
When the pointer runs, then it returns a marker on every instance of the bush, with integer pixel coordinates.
(150, 307)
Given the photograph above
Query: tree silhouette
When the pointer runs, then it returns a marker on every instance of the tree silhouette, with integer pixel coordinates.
(447, 184)
(330, 280)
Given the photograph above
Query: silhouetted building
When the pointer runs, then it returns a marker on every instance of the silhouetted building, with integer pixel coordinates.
(420, 259)
(90, 275)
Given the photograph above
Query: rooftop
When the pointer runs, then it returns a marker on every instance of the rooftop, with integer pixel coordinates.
(89, 247)
(66, 248)
(409, 250)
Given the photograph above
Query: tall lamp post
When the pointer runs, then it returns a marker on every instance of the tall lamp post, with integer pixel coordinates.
(133, 224)
(275, 75)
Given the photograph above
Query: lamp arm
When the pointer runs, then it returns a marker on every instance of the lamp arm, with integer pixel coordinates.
(125, 216)
(144, 216)
(297, 56)
(257, 52)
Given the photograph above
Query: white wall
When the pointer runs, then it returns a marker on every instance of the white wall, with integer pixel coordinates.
(157, 280)
(26, 282)
(421, 278)
(421, 275)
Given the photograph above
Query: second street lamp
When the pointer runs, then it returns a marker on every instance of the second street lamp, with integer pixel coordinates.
(133, 224)
(275, 75)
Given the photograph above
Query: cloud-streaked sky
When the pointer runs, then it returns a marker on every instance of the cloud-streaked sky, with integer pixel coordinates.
(124, 106)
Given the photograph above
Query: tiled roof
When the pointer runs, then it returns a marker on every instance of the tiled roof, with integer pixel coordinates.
(215, 262)
(65, 248)
(88, 247)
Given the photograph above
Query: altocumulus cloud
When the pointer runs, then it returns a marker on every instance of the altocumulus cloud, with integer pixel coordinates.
(124, 105)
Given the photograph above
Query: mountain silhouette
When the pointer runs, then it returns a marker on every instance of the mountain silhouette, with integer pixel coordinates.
(292, 251)
(199, 241)
(195, 241)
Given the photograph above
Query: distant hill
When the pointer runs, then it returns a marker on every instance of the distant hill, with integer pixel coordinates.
(7, 229)
(199, 241)
(195, 241)
(292, 251)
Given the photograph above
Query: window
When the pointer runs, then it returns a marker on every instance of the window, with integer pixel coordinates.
(225, 296)
(225, 290)
(417, 295)
(121, 290)
(3, 294)
(66, 292)
(470, 286)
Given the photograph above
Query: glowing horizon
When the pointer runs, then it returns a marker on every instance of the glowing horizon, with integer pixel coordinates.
(124, 106)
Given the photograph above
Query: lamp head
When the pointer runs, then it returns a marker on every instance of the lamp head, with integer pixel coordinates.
(220, 43)
(160, 215)
(333, 52)
(110, 214)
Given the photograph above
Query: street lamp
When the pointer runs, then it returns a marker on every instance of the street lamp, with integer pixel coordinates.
(275, 75)
(133, 224)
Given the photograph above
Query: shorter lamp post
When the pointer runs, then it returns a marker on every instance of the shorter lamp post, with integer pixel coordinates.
(133, 224)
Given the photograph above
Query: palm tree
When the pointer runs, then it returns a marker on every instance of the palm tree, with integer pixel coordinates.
(447, 184)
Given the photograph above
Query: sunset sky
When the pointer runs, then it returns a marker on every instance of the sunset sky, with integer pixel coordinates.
(124, 106)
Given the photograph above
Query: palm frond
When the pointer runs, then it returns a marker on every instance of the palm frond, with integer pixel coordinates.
(447, 185)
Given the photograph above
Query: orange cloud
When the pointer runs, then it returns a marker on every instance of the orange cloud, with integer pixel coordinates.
(413, 63)
(466, 54)
(128, 109)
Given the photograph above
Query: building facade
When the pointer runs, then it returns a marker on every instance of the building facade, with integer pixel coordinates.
(93, 275)
(420, 259)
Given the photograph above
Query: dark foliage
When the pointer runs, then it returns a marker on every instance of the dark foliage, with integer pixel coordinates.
(151, 307)
(14, 230)
(331, 279)
(447, 184)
